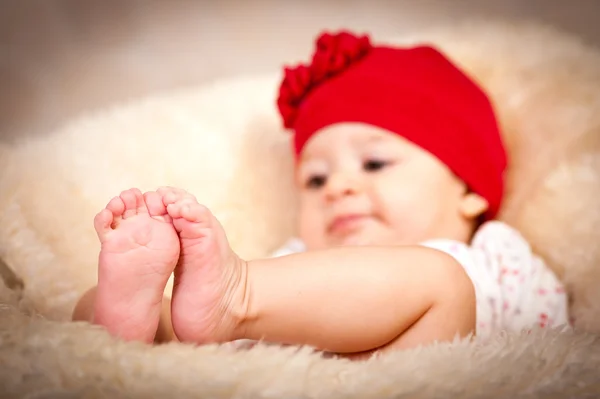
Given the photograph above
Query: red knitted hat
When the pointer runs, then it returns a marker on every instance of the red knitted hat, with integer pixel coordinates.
(414, 92)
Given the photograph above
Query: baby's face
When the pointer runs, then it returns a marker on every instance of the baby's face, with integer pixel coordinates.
(362, 185)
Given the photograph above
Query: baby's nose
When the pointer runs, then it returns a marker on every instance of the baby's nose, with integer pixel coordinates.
(341, 185)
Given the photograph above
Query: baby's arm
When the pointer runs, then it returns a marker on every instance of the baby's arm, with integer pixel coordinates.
(357, 299)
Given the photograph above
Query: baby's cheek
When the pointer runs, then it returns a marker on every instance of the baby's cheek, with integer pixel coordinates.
(398, 204)
(409, 217)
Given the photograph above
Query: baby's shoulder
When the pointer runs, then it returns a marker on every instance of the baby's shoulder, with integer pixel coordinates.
(499, 236)
(492, 239)
(502, 247)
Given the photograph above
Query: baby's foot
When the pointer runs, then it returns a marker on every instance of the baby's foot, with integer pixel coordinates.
(209, 295)
(139, 251)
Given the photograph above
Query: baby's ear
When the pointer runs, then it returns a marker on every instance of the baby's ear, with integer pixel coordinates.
(473, 205)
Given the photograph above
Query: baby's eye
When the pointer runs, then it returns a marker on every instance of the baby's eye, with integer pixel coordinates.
(316, 181)
(374, 165)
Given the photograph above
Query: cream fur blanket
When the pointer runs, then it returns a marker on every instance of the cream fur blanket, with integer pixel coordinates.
(223, 143)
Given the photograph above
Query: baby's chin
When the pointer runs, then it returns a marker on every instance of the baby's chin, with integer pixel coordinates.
(350, 241)
(367, 236)
(373, 238)
(357, 241)
(362, 238)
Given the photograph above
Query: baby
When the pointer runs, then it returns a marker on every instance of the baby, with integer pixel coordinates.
(399, 170)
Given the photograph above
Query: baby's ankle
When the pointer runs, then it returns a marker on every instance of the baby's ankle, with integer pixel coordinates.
(239, 309)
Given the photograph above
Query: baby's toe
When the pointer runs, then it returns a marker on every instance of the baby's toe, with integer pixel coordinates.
(103, 222)
(194, 212)
(181, 208)
(133, 201)
(116, 206)
(156, 207)
(190, 219)
(171, 195)
(140, 202)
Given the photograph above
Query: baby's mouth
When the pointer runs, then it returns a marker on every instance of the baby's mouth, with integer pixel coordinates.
(346, 224)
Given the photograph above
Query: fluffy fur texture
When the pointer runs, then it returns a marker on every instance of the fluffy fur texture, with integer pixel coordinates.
(223, 142)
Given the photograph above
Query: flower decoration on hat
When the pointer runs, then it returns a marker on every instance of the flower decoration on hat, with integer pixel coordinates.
(333, 54)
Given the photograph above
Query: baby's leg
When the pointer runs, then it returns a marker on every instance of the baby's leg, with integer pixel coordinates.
(344, 300)
(139, 251)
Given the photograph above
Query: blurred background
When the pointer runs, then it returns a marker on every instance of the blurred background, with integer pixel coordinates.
(60, 58)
